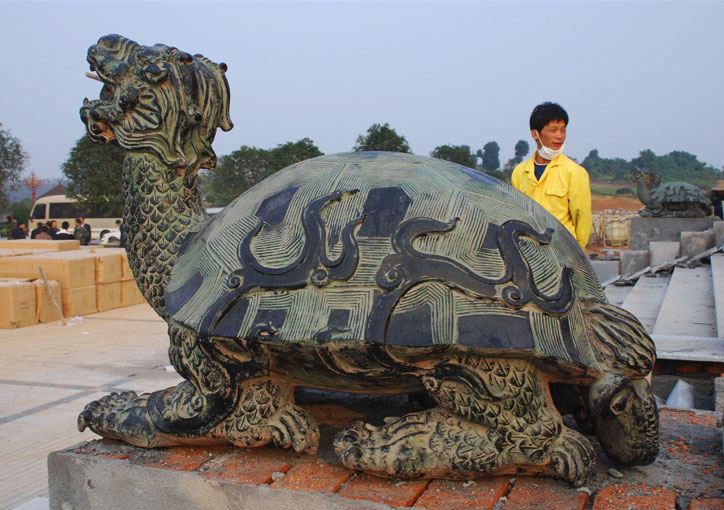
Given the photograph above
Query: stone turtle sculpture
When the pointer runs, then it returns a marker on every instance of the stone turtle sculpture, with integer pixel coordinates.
(376, 273)
(671, 199)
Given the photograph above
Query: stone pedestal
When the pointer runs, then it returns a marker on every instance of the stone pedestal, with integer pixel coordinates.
(645, 230)
(109, 475)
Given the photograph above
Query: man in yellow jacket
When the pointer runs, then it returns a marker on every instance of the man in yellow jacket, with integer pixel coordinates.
(551, 178)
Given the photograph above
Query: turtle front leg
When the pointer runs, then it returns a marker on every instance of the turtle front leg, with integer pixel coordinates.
(625, 419)
(495, 416)
(227, 396)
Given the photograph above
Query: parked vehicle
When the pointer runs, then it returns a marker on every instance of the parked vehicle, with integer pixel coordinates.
(62, 208)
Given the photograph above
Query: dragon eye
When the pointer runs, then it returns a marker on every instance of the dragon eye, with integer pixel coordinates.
(106, 92)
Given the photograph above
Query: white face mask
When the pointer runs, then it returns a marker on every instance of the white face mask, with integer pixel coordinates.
(546, 152)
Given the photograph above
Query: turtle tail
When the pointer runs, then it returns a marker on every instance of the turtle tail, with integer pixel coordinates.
(620, 341)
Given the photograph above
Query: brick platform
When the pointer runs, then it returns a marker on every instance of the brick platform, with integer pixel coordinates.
(687, 474)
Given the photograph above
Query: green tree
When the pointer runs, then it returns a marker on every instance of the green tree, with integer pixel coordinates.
(456, 153)
(95, 177)
(12, 163)
(289, 153)
(490, 156)
(605, 168)
(237, 172)
(521, 150)
(381, 137)
(677, 166)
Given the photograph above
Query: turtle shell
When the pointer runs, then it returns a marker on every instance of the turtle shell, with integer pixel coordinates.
(679, 192)
(390, 248)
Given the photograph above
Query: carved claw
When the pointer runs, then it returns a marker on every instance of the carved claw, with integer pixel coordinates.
(293, 427)
(122, 416)
(572, 456)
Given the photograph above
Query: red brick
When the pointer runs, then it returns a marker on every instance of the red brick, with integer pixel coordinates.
(458, 495)
(693, 418)
(185, 458)
(544, 494)
(256, 465)
(707, 504)
(314, 477)
(381, 490)
(634, 497)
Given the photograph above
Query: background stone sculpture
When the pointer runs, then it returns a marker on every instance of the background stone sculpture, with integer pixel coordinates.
(671, 199)
(369, 272)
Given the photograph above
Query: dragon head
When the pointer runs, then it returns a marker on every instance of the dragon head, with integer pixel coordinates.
(645, 177)
(157, 99)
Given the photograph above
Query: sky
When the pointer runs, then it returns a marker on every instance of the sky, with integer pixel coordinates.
(632, 75)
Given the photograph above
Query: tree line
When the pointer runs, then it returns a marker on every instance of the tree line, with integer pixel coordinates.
(93, 171)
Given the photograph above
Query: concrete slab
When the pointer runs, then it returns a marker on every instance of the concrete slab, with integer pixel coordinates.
(605, 269)
(645, 230)
(617, 295)
(645, 299)
(633, 260)
(662, 252)
(51, 371)
(689, 348)
(688, 308)
(693, 243)
(717, 276)
(718, 229)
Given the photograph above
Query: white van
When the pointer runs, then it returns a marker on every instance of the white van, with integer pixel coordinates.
(61, 208)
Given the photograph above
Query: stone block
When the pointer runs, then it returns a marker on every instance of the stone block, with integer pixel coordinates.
(632, 261)
(645, 230)
(662, 252)
(693, 243)
(719, 395)
(605, 269)
(719, 232)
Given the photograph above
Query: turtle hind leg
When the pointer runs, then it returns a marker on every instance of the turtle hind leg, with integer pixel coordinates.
(493, 416)
(625, 419)
(426, 444)
(227, 396)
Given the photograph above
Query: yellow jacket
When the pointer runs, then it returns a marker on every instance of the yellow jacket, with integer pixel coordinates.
(563, 191)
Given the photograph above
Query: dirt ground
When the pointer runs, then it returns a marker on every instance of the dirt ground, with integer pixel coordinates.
(600, 203)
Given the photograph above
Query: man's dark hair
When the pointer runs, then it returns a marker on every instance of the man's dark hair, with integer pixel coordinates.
(545, 113)
(65, 225)
(77, 220)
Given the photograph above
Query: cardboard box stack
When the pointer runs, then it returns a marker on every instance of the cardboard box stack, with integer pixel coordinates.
(39, 244)
(48, 301)
(108, 271)
(17, 301)
(82, 281)
(130, 295)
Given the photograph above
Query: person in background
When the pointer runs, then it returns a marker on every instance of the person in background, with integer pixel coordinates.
(87, 227)
(119, 224)
(44, 233)
(551, 178)
(52, 228)
(81, 233)
(716, 195)
(37, 230)
(18, 232)
(64, 234)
